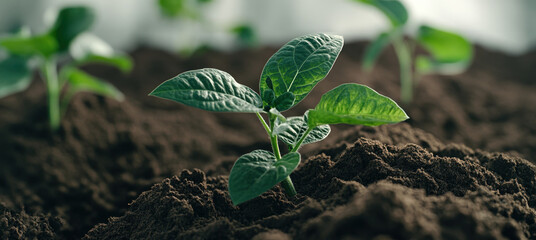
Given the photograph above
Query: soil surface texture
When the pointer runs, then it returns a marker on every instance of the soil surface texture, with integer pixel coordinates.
(107, 153)
(364, 190)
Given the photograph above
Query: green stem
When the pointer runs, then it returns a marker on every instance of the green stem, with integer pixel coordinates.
(264, 124)
(299, 143)
(404, 59)
(287, 184)
(273, 138)
(53, 92)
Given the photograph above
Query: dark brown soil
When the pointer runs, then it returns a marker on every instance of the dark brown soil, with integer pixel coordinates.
(107, 153)
(369, 190)
(20, 225)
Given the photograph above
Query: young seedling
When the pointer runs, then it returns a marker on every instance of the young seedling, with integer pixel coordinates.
(447, 52)
(288, 76)
(66, 36)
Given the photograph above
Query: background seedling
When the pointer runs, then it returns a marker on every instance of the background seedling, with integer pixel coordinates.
(288, 76)
(193, 10)
(447, 52)
(43, 52)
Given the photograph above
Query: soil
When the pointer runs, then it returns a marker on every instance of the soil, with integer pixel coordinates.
(107, 153)
(369, 190)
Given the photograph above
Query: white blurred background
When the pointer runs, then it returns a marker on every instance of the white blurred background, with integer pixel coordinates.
(504, 25)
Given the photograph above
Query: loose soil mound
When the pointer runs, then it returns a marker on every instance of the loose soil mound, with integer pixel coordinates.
(106, 154)
(367, 190)
(20, 225)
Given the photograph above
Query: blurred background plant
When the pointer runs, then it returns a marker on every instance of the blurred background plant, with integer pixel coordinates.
(65, 43)
(506, 26)
(190, 26)
(446, 52)
(193, 10)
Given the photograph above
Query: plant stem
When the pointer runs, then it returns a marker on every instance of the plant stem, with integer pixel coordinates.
(53, 92)
(404, 59)
(297, 146)
(264, 124)
(287, 184)
(273, 138)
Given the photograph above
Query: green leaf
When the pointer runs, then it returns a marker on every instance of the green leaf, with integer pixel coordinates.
(210, 89)
(355, 104)
(293, 129)
(71, 21)
(443, 46)
(269, 97)
(374, 49)
(81, 81)
(258, 171)
(245, 34)
(172, 8)
(15, 76)
(424, 65)
(284, 101)
(122, 62)
(393, 9)
(44, 45)
(299, 65)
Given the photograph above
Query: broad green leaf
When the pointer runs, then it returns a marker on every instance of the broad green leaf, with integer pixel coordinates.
(355, 104)
(210, 89)
(293, 129)
(81, 81)
(443, 46)
(71, 21)
(44, 45)
(374, 49)
(258, 171)
(299, 65)
(393, 9)
(15, 76)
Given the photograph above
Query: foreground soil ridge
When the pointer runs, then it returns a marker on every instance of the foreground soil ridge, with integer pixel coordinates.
(365, 189)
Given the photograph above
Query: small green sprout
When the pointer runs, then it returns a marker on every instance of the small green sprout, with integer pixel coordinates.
(245, 34)
(447, 52)
(287, 78)
(23, 52)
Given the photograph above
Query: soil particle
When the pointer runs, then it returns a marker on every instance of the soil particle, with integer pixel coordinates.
(370, 190)
(21, 225)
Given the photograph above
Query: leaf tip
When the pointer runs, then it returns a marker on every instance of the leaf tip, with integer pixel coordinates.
(152, 93)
